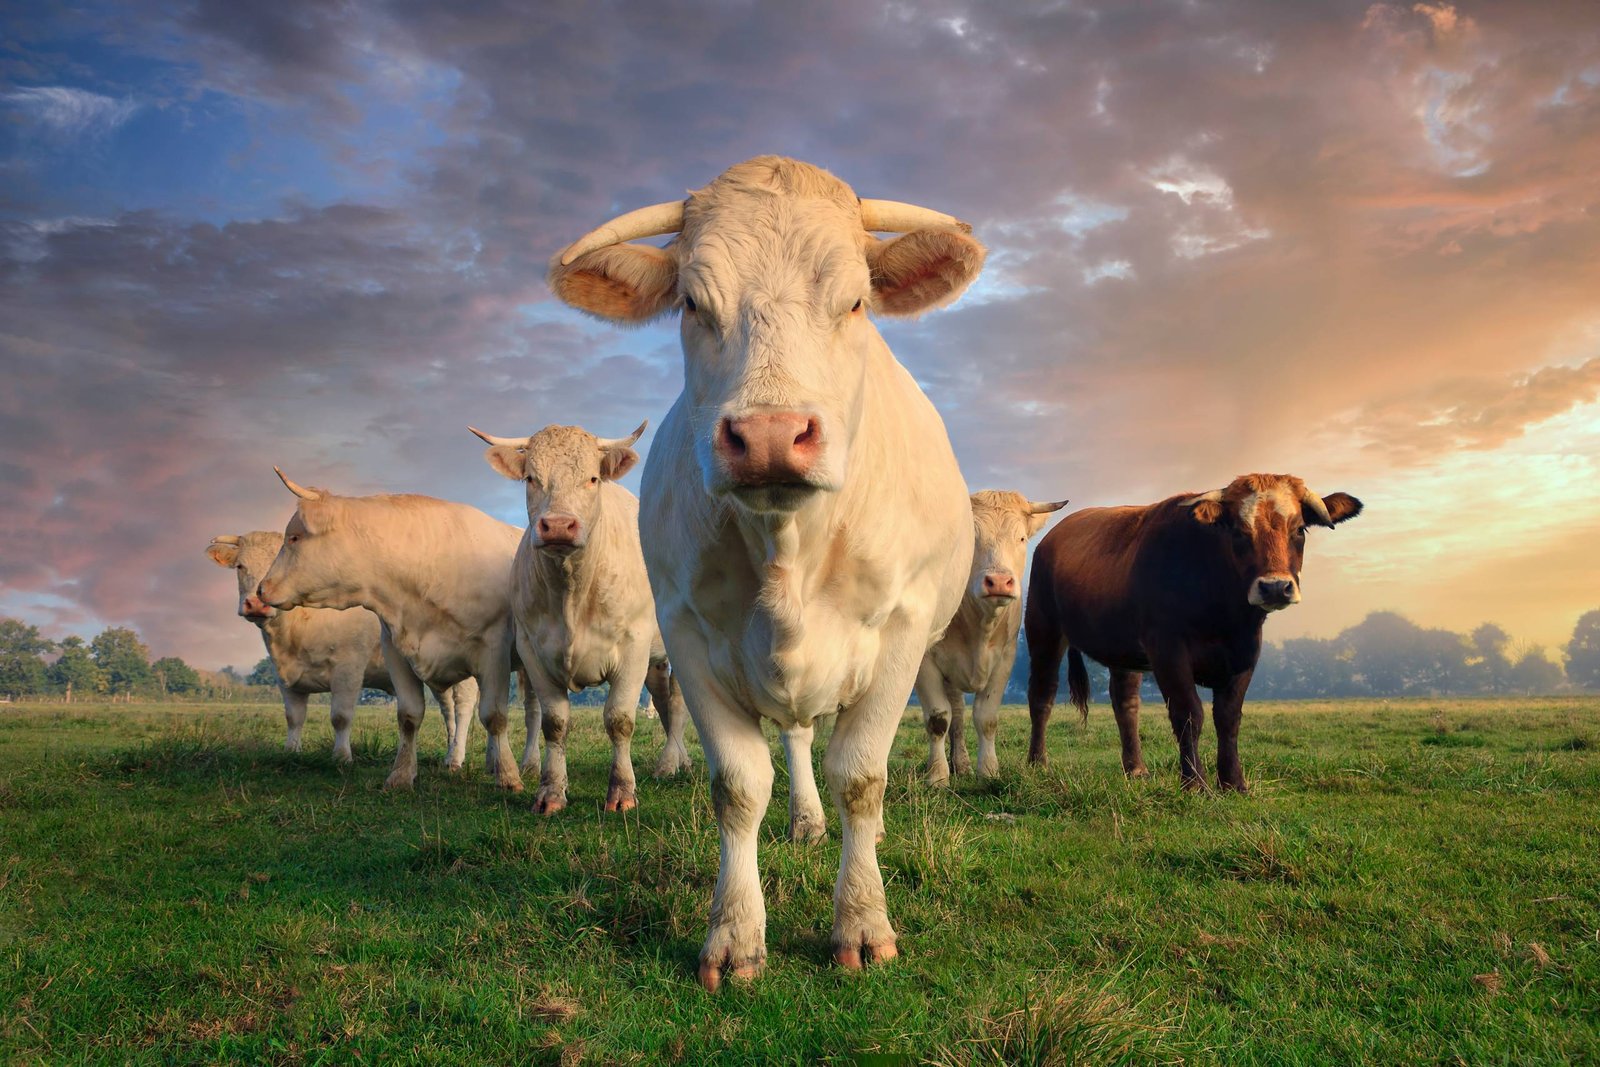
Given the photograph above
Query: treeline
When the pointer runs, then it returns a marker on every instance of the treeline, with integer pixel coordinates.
(1388, 655)
(115, 665)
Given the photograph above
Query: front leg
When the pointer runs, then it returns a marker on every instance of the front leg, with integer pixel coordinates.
(674, 716)
(622, 704)
(857, 768)
(806, 819)
(1227, 710)
(409, 708)
(555, 717)
(531, 721)
(1125, 708)
(494, 690)
(345, 692)
(1175, 675)
(294, 716)
(937, 716)
(986, 722)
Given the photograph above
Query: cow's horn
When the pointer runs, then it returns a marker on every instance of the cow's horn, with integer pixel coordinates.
(1215, 495)
(491, 439)
(1313, 503)
(227, 539)
(891, 216)
(1044, 507)
(652, 221)
(298, 490)
(608, 443)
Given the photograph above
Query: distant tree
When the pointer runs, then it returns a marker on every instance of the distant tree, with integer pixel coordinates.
(22, 668)
(1303, 667)
(1393, 656)
(1488, 661)
(74, 673)
(123, 658)
(1583, 651)
(264, 673)
(172, 675)
(1534, 672)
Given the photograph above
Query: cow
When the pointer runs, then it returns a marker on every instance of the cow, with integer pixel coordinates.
(438, 575)
(315, 650)
(976, 652)
(1182, 588)
(809, 530)
(581, 601)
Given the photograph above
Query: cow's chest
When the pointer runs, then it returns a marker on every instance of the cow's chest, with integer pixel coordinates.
(576, 656)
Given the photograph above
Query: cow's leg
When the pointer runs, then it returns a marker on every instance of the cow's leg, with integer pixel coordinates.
(622, 704)
(741, 787)
(937, 716)
(1046, 646)
(1227, 709)
(806, 819)
(464, 696)
(674, 716)
(986, 722)
(960, 762)
(494, 691)
(1175, 675)
(555, 718)
(1125, 707)
(532, 719)
(857, 767)
(447, 712)
(294, 717)
(409, 708)
(342, 699)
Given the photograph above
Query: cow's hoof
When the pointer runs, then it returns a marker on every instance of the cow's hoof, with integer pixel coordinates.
(855, 957)
(399, 780)
(620, 800)
(711, 975)
(732, 951)
(530, 768)
(344, 759)
(808, 828)
(1195, 785)
(511, 783)
(938, 777)
(1138, 772)
(549, 803)
(453, 766)
(1234, 786)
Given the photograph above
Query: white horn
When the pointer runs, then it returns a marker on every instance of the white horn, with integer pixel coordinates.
(491, 439)
(1036, 507)
(1214, 495)
(227, 539)
(891, 216)
(608, 443)
(298, 490)
(652, 221)
(1314, 503)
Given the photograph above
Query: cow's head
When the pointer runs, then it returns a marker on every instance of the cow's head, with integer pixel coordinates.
(562, 467)
(1002, 523)
(1265, 517)
(248, 556)
(774, 271)
(315, 565)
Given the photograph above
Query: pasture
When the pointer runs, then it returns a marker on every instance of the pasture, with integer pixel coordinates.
(1408, 882)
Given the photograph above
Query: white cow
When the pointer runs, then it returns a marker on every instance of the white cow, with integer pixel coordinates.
(438, 574)
(976, 652)
(582, 603)
(323, 651)
(809, 531)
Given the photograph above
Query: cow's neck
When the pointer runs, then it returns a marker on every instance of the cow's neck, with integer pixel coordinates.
(983, 624)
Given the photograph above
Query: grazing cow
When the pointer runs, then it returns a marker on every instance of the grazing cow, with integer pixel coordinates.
(976, 652)
(581, 601)
(1181, 588)
(439, 576)
(315, 650)
(809, 530)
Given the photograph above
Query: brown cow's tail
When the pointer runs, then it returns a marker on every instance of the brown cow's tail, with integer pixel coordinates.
(1078, 683)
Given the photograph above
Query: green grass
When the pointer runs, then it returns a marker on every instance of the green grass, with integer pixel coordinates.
(1412, 882)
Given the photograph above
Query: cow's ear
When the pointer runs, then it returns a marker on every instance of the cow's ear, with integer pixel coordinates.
(615, 462)
(508, 461)
(317, 515)
(1341, 506)
(1206, 508)
(921, 270)
(625, 283)
(224, 551)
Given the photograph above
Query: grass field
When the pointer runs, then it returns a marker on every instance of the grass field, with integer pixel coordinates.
(1408, 883)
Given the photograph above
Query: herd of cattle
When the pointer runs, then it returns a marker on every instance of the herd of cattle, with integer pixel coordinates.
(811, 550)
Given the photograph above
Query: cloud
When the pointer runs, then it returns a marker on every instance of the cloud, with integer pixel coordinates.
(66, 114)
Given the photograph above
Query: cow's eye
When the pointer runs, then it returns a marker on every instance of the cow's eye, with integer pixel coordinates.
(529, 479)
(1301, 532)
(689, 305)
(594, 480)
(855, 307)
(294, 539)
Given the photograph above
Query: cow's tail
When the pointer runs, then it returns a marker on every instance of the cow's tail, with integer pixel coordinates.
(1078, 683)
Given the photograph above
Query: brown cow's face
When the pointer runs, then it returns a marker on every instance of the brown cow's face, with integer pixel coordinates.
(562, 467)
(1002, 524)
(1265, 518)
(248, 556)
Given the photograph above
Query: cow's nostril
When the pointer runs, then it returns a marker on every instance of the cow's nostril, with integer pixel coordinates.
(807, 436)
(731, 442)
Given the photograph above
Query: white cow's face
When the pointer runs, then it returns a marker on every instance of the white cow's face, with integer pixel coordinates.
(1002, 524)
(317, 563)
(249, 556)
(563, 468)
(774, 276)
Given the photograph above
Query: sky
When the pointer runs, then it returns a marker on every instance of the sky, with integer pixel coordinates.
(1356, 242)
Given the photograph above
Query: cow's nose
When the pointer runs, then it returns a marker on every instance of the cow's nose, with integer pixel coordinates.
(769, 448)
(254, 607)
(1277, 590)
(999, 583)
(558, 529)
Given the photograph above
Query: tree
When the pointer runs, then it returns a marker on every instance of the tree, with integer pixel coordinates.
(123, 658)
(74, 671)
(1583, 651)
(1488, 661)
(264, 674)
(1533, 673)
(175, 676)
(22, 667)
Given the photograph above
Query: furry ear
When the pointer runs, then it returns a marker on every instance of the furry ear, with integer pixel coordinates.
(1206, 508)
(624, 283)
(922, 270)
(1341, 506)
(317, 515)
(224, 551)
(508, 461)
(615, 462)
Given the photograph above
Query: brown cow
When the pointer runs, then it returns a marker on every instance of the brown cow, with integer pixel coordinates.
(1182, 588)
